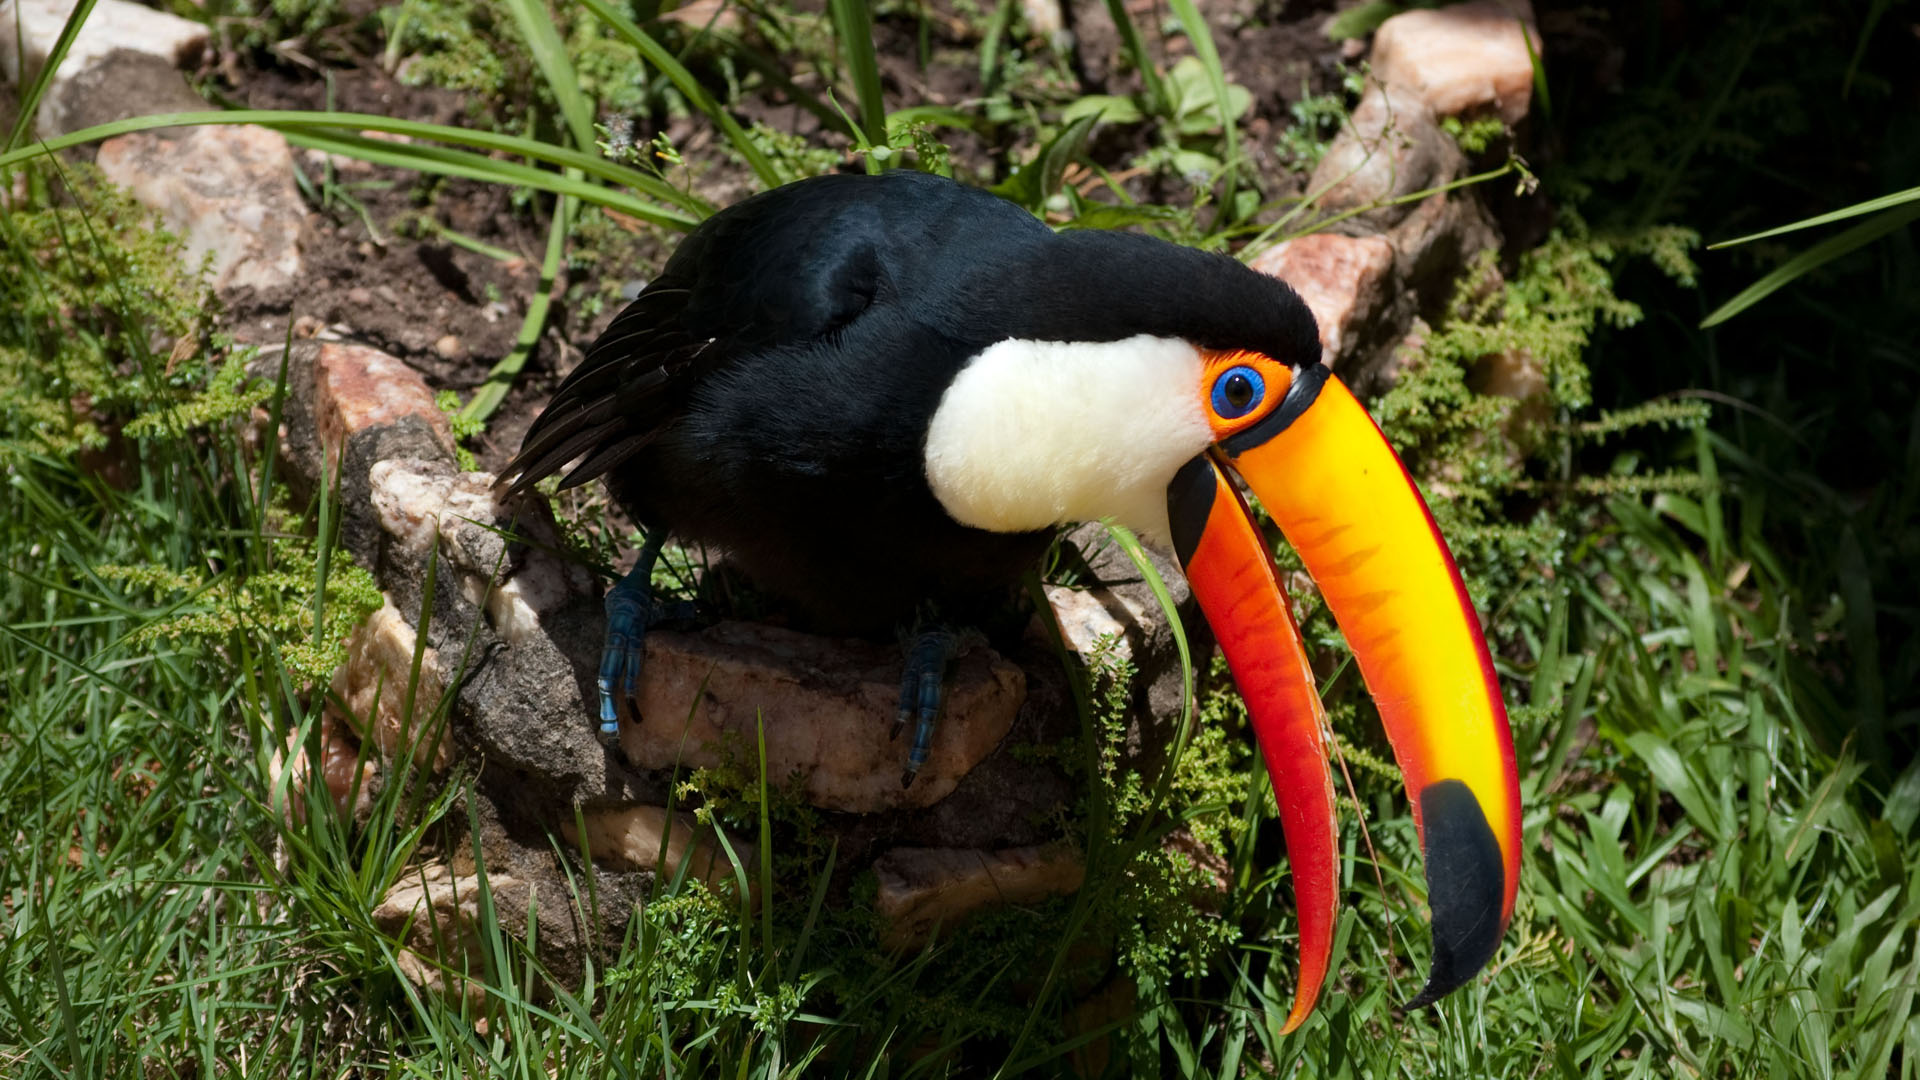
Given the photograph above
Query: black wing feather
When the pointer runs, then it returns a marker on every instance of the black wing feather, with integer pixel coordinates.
(632, 382)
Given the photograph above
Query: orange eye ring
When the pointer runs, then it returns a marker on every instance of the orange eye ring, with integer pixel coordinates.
(1240, 387)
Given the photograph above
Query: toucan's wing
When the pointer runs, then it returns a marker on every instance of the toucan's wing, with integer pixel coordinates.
(783, 268)
(634, 380)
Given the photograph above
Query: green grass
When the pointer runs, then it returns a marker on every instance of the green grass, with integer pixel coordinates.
(1705, 626)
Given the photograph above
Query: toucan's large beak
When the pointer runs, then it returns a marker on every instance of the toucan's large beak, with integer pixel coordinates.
(1322, 469)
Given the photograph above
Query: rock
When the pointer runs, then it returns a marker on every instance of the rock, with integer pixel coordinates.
(1516, 374)
(105, 74)
(1114, 596)
(1439, 241)
(1095, 1017)
(1462, 59)
(125, 84)
(358, 388)
(436, 916)
(1047, 20)
(828, 709)
(1346, 282)
(633, 837)
(227, 190)
(924, 889)
(1086, 624)
(386, 706)
(340, 759)
(1391, 147)
(705, 14)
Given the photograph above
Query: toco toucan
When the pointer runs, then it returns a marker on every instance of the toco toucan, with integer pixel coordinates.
(876, 391)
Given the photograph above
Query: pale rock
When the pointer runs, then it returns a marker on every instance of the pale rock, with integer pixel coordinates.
(227, 190)
(111, 25)
(436, 917)
(1462, 59)
(704, 14)
(374, 684)
(1438, 242)
(1086, 624)
(828, 709)
(421, 503)
(358, 388)
(634, 837)
(414, 499)
(1343, 280)
(1047, 19)
(103, 76)
(289, 775)
(1391, 147)
(925, 889)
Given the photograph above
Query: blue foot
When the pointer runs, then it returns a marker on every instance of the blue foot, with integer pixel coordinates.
(923, 690)
(631, 611)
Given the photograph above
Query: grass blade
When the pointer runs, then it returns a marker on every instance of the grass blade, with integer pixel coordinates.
(1814, 257)
(853, 24)
(1884, 202)
(1197, 32)
(550, 55)
(345, 129)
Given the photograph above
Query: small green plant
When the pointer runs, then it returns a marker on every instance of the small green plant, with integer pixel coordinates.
(94, 280)
(1317, 118)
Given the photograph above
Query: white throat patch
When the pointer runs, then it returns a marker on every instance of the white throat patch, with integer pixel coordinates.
(1034, 434)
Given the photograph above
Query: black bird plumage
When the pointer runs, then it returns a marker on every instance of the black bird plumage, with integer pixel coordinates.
(769, 393)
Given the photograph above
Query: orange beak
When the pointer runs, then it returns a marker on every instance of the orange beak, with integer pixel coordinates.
(1322, 469)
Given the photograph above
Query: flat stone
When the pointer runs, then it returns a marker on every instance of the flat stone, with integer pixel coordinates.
(828, 709)
(634, 838)
(1344, 281)
(227, 190)
(374, 685)
(116, 35)
(436, 917)
(925, 889)
(1462, 59)
(1088, 624)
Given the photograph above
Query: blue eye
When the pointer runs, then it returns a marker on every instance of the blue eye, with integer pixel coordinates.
(1237, 392)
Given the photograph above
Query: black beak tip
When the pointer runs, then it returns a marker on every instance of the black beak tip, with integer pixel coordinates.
(1465, 888)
